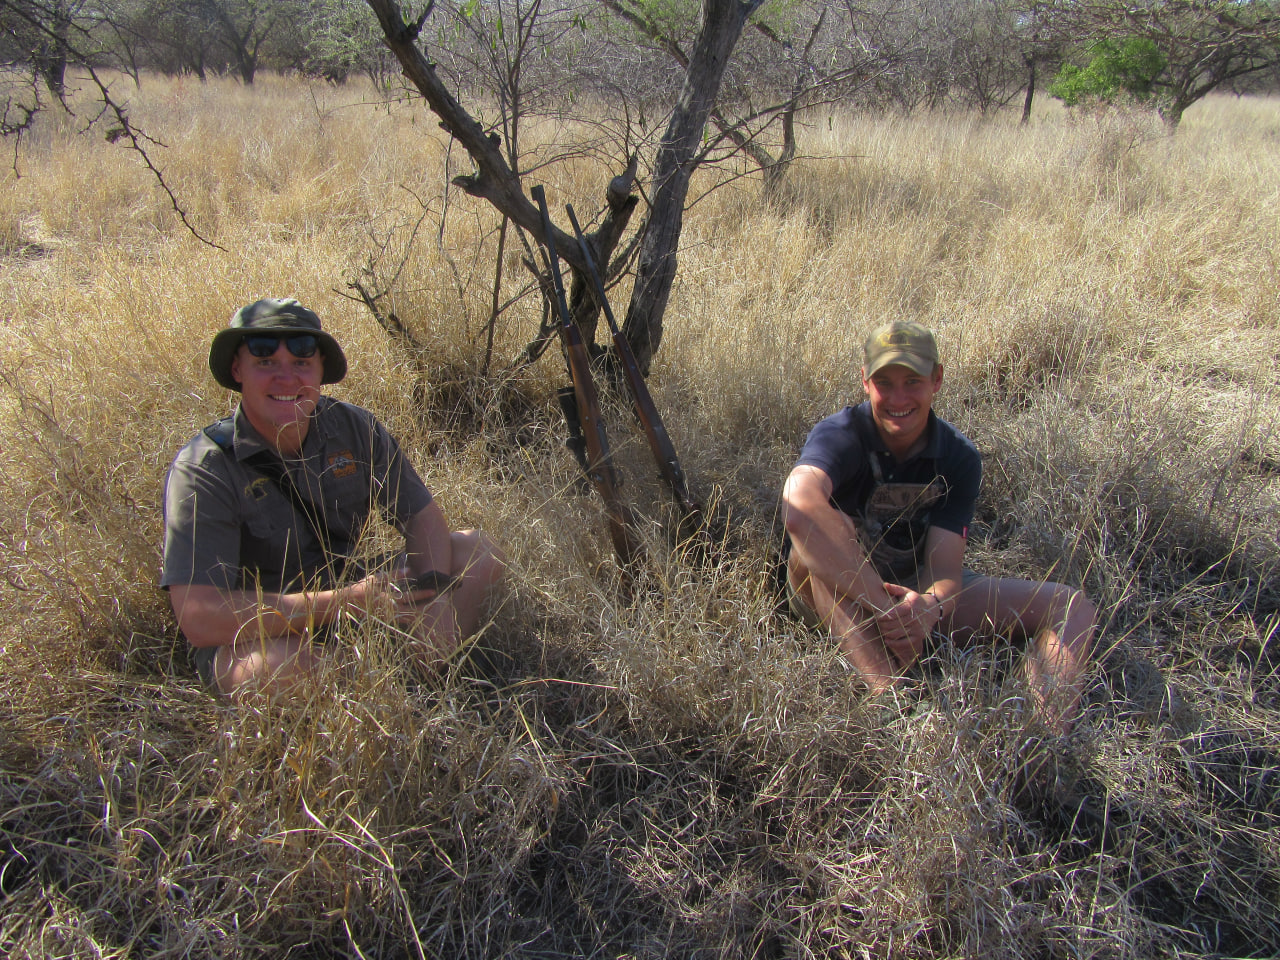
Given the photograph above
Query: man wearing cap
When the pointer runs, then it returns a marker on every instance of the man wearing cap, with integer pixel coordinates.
(877, 510)
(263, 511)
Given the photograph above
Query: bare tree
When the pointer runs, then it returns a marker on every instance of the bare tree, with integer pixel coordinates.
(793, 65)
(40, 34)
(1042, 39)
(495, 179)
(243, 27)
(984, 44)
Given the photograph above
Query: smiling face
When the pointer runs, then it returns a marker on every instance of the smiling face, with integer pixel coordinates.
(900, 402)
(279, 393)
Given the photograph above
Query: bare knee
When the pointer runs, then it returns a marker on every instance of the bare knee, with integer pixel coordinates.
(480, 558)
(1078, 623)
(274, 667)
(799, 579)
(1081, 608)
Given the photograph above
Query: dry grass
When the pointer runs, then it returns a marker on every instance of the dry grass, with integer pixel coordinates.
(680, 771)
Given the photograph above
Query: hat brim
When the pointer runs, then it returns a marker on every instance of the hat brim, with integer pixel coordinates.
(223, 350)
(921, 365)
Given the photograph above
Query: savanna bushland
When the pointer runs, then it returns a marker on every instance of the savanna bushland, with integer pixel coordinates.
(672, 767)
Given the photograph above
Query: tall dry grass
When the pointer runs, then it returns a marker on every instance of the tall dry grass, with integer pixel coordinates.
(678, 770)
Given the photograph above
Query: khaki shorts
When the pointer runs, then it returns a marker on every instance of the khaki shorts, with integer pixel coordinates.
(202, 660)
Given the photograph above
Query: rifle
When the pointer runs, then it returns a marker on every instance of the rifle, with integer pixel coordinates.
(600, 470)
(664, 451)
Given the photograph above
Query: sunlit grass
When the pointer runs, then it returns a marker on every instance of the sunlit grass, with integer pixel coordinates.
(677, 770)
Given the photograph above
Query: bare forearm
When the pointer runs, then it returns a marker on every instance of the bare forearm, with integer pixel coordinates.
(209, 617)
(942, 575)
(942, 591)
(826, 542)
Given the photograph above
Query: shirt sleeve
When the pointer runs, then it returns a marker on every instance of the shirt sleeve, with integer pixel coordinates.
(201, 526)
(399, 489)
(834, 447)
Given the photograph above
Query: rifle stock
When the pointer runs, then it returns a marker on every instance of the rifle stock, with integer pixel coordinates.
(664, 451)
(601, 471)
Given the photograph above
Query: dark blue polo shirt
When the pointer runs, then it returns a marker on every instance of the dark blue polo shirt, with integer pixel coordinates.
(842, 444)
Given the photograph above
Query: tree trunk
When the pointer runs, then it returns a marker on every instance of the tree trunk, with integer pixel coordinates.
(248, 68)
(51, 60)
(1031, 90)
(52, 67)
(1174, 103)
(722, 23)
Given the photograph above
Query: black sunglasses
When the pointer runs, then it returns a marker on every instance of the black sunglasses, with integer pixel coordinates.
(301, 345)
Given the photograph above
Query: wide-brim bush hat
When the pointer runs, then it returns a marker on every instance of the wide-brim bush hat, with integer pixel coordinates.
(272, 317)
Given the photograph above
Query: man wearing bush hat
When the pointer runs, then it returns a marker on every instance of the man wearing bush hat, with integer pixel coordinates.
(877, 512)
(263, 512)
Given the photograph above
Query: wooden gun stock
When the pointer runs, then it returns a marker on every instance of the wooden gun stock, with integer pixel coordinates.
(601, 470)
(664, 451)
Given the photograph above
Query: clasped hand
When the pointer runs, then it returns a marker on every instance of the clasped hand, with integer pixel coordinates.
(386, 595)
(426, 617)
(906, 625)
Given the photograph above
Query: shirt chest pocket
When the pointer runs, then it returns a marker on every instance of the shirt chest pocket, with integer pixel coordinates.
(268, 514)
(331, 501)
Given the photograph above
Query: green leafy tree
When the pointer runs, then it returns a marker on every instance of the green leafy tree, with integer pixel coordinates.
(341, 39)
(1129, 67)
(1204, 43)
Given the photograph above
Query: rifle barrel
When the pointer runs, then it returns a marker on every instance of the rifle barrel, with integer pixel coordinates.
(664, 451)
(602, 473)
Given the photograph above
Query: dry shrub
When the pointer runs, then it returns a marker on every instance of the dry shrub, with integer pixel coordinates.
(674, 767)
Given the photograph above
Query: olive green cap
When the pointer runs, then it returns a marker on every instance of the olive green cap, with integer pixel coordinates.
(903, 342)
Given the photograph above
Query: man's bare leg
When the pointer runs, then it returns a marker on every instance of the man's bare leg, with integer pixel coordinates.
(480, 566)
(1057, 619)
(1056, 664)
(848, 623)
(270, 665)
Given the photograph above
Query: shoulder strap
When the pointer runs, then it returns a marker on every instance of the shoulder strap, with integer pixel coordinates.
(222, 433)
(876, 470)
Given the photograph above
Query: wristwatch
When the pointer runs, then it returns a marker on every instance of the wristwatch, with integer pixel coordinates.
(435, 580)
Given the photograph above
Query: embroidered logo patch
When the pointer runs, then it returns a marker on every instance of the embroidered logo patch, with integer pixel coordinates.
(342, 464)
(257, 488)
